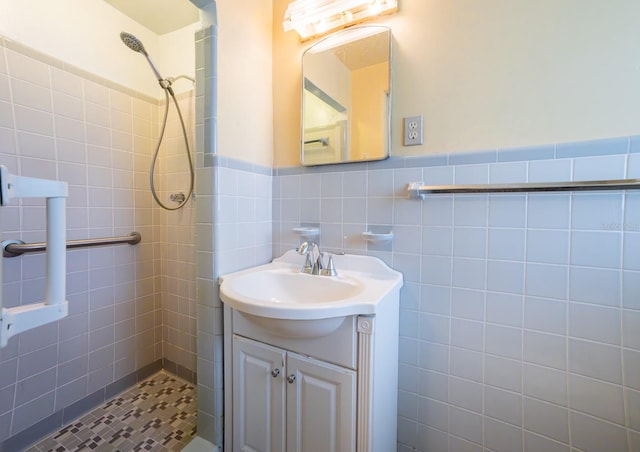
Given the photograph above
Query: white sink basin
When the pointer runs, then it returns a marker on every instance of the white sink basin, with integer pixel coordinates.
(273, 285)
(279, 290)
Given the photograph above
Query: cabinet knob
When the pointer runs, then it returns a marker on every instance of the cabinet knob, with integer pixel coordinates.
(275, 373)
(291, 378)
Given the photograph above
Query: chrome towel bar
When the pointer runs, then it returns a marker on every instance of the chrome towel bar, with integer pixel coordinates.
(14, 248)
(417, 190)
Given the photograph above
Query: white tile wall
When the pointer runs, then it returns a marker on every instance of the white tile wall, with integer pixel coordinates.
(519, 313)
(57, 124)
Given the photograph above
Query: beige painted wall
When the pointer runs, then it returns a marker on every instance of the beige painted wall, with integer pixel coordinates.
(85, 33)
(492, 73)
(245, 92)
(287, 80)
(68, 30)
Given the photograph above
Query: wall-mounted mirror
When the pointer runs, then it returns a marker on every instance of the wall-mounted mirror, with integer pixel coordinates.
(346, 97)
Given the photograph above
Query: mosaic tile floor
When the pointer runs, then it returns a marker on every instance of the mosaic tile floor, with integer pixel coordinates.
(159, 414)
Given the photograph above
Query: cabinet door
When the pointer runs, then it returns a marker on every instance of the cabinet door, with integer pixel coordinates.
(321, 406)
(258, 397)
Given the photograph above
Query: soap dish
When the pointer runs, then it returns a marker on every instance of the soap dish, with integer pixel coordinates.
(375, 237)
(307, 232)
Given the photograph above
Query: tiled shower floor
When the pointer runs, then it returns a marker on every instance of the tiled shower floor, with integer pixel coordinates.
(158, 414)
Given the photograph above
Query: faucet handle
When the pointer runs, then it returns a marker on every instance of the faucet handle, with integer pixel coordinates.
(318, 268)
(331, 268)
(303, 249)
(306, 249)
(308, 264)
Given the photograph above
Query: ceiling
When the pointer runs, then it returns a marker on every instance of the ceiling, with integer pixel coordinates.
(159, 16)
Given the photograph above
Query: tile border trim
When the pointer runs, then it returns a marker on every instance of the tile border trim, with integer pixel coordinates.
(240, 165)
(588, 148)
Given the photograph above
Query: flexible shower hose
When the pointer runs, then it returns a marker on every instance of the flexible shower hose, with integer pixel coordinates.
(168, 91)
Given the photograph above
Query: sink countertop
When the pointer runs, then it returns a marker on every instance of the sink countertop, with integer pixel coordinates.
(279, 290)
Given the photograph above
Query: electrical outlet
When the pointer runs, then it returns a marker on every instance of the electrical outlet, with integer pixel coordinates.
(413, 130)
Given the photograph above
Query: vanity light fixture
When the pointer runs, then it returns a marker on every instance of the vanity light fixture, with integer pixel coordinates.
(316, 17)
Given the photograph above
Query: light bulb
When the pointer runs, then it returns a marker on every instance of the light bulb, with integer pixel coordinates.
(313, 17)
(375, 8)
(321, 26)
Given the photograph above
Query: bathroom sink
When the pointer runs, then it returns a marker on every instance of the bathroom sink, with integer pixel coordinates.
(289, 286)
(279, 290)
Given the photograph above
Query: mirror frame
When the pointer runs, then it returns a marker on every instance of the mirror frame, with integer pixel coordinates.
(328, 42)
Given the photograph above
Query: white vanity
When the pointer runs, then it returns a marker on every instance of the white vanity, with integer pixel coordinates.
(310, 360)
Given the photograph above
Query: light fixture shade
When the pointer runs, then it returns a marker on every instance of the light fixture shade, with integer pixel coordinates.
(315, 17)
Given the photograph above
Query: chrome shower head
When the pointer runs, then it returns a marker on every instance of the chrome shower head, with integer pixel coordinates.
(132, 42)
(136, 45)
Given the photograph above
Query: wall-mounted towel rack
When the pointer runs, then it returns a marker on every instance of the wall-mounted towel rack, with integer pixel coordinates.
(418, 191)
(13, 248)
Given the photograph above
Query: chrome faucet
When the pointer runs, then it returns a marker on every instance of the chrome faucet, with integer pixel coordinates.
(330, 270)
(306, 249)
(314, 260)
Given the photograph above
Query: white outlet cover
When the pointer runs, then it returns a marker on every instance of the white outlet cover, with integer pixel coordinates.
(413, 131)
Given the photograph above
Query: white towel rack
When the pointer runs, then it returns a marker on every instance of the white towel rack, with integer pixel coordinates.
(417, 190)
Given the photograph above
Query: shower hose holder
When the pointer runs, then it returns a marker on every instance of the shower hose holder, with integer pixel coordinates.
(17, 319)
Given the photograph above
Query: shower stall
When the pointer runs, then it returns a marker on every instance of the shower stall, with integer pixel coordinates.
(87, 111)
(78, 106)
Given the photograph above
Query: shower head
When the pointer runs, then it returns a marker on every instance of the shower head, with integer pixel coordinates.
(132, 42)
(136, 45)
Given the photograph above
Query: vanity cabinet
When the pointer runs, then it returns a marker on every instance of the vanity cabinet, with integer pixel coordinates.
(283, 401)
(336, 392)
(310, 361)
